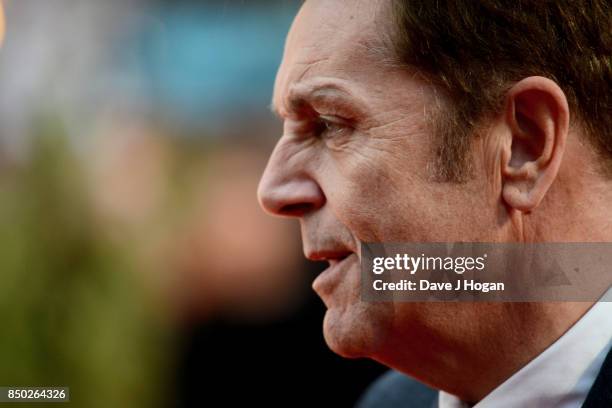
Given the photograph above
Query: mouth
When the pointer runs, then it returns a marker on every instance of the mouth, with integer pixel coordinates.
(339, 264)
(335, 261)
(333, 257)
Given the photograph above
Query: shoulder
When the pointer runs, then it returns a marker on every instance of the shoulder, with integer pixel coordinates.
(394, 389)
(600, 394)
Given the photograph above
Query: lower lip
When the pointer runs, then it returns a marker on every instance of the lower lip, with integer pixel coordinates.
(327, 280)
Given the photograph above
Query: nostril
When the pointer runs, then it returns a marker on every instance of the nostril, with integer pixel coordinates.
(296, 209)
(292, 197)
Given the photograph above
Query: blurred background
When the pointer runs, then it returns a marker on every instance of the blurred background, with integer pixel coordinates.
(135, 264)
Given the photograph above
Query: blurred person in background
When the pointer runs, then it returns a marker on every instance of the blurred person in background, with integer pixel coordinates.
(442, 121)
(1, 24)
(134, 257)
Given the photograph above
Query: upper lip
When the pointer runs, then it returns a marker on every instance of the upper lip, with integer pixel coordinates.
(330, 255)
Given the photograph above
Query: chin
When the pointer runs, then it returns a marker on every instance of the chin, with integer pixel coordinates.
(358, 330)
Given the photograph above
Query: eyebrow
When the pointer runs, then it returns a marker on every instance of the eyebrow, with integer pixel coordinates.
(300, 94)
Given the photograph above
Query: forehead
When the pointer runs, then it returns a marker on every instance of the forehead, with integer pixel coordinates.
(330, 38)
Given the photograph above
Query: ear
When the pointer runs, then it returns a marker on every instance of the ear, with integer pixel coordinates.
(537, 116)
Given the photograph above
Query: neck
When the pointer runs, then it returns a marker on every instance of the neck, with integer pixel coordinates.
(575, 210)
(528, 329)
(468, 349)
(493, 341)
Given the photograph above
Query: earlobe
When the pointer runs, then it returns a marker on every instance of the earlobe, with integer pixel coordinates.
(536, 115)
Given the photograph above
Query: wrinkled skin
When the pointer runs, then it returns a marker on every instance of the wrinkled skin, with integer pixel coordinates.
(354, 164)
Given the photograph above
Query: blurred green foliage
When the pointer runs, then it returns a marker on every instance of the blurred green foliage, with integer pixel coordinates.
(73, 308)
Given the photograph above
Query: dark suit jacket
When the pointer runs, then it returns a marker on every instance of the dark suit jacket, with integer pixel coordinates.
(395, 390)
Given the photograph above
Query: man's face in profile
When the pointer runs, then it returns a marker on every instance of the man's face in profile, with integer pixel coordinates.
(356, 163)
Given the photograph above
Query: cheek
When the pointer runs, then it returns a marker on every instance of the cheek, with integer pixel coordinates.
(377, 195)
(394, 201)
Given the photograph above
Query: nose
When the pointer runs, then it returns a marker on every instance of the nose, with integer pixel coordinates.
(286, 188)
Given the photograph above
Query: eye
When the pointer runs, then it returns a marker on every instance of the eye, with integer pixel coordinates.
(329, 126)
